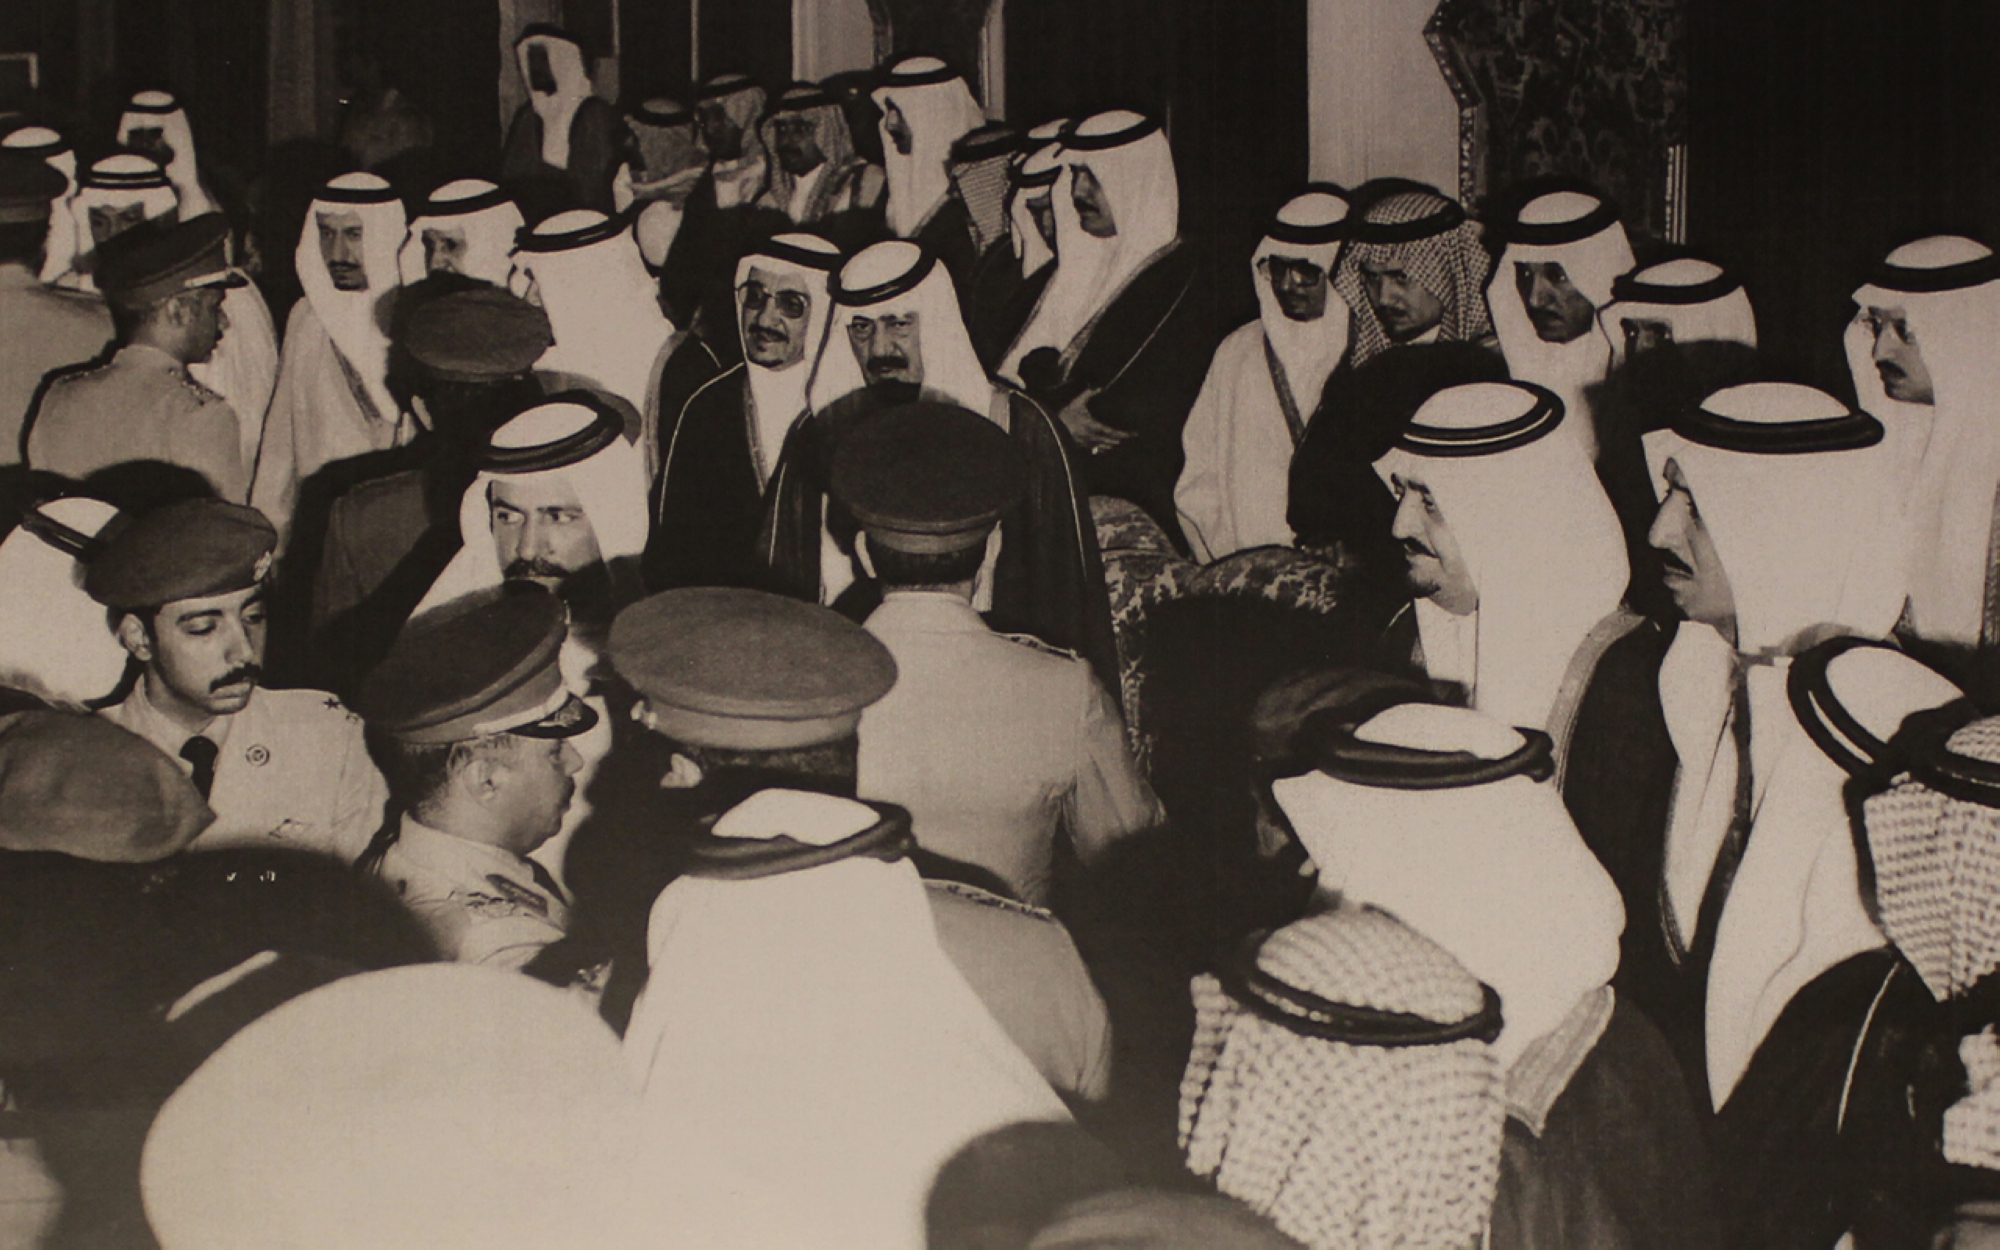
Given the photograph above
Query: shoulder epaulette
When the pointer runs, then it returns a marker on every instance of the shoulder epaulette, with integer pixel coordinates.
(1046, 648)
(987, 898)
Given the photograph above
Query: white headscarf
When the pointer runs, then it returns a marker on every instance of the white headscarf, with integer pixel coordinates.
(809, 1056)
(938, 107)
(1592, 263)
(1495, 873)
(1308, 350)
(951, 367)
(60, 250)
(485, 214)
(1698, 299)
(610, 483)
(55, 642)
(1129, 157)
(1951, 449)
(603, 304)
(432, 1105)
(117, 181)
(558, 108)
(1806, 540)
(158, 110)
(778, 396)
(349, 316)
(1539, 538)
(1030, 247)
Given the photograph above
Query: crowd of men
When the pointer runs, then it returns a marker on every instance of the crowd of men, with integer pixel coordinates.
(707, 691)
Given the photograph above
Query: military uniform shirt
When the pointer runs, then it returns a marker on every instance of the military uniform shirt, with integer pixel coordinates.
(44, 330)
(291, 772)
(479, 903)
(993, 743)
(141, 405)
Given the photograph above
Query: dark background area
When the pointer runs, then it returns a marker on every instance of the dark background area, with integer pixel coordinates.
(1819, 134)
(1823, 134)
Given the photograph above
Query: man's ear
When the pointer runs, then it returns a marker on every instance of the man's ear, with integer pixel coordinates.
(682, 774)
(135, 638)
(483, 776)
(861, 549)
(422, 412)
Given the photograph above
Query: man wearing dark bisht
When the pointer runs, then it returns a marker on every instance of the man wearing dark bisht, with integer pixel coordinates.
(897, 336)
(718, 453)
(1120, 338)
(565, 144)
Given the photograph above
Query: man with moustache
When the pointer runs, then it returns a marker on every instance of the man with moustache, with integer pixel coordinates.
(186, 585)
(816, 172)
(717, 454)
(470, 719)
(1414, 271)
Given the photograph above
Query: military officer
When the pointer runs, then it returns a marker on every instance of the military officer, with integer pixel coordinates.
(186, 585)
(46, 329)
(469, 717)
(993, 741)
(164, 282)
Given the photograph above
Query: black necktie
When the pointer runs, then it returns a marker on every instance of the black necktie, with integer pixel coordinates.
(201, 753)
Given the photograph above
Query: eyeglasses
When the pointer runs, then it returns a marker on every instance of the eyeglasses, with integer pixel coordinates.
(1298, 272)
(753, 296)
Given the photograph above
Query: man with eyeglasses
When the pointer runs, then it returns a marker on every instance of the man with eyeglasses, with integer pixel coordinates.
(1264, 383)
(718, 452)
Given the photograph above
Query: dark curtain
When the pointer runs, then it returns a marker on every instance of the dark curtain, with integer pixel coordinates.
(751, 37)
(653, 37)
(1822, 135)
(444, 56)
(1227, 76)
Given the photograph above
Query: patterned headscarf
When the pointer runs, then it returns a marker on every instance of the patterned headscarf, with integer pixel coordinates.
(1937, 864)
(1338, 1140)
(1446, 259)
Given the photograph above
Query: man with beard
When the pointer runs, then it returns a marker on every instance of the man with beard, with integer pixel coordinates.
(49, 329)
(186, 586)
(333, 399)
(469, 717)
(473, 352)
(1123, 331)
(1565, 246)
(718, 453)
(114, 194)
(464, 227)
(895, 306)
(565, 144)
(1920, 350)
(926, 108)
(1415, 271)
(1252, 410)
(155, 124)
(816, 173)
(1514, 553)
(726, 111)
(164, 283)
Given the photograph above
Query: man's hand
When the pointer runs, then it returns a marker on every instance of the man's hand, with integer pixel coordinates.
(1090, 434)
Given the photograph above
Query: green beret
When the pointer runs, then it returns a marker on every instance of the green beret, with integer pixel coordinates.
(927, 477)
(480, 334)
(746, 670)
(480, 665)
(28, 185)
(187, 550)
(156, 260)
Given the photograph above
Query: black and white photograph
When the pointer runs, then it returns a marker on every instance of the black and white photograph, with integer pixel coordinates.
(999, 625)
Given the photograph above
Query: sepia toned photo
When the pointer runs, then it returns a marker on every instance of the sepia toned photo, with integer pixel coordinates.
(999, 625)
